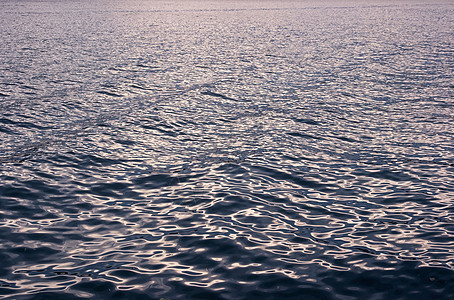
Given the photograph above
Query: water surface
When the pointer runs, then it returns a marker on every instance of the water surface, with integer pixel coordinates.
(226, 150)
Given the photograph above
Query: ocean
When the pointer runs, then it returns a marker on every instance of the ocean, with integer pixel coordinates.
(210, 149)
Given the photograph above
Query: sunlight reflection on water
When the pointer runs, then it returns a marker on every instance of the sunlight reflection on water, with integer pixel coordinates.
(226, 149)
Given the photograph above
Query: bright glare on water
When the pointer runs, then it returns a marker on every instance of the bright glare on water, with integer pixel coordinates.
(226, 149)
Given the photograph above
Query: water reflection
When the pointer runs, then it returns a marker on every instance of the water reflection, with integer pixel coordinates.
(221, 152)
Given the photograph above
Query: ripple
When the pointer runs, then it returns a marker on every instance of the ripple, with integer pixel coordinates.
(279, 149)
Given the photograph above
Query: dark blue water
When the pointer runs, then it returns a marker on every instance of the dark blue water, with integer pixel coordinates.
(226, 150)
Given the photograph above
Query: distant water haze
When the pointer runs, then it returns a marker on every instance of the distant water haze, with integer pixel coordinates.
(226, 149)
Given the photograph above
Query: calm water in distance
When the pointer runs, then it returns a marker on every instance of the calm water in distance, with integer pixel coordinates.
(226, 149)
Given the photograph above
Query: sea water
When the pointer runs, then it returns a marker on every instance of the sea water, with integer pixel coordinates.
(226, 149)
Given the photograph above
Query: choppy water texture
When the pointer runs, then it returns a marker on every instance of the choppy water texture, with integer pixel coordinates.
(226, 150)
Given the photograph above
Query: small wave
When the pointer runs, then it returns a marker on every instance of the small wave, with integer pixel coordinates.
(112, 94)
(303, 135)
(217, 95)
